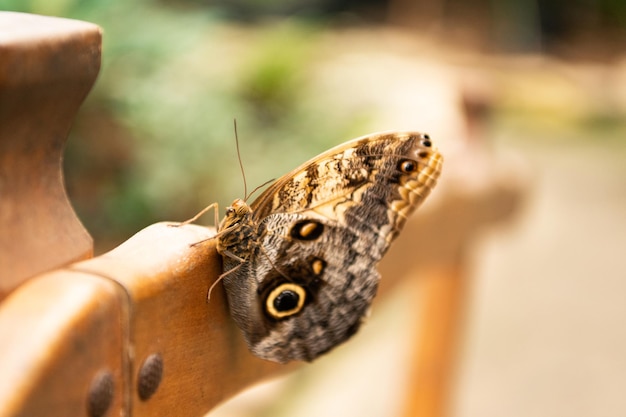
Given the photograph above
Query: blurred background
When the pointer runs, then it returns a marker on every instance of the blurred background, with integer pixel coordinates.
(544, 81)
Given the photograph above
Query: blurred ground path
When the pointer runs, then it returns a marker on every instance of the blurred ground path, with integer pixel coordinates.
(547, 331)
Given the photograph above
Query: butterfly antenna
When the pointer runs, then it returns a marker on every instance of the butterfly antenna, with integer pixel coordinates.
(259, 187)
(243, 172)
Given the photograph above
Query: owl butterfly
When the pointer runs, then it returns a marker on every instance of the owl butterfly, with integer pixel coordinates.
(300, 261)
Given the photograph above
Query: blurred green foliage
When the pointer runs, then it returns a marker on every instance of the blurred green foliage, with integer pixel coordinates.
(155, 140)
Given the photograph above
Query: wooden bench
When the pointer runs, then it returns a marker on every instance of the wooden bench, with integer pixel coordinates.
(130, 332)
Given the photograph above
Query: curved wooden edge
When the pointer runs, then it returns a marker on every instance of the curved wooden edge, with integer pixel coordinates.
(62, 330)
(205, 359)
(47, 67)
(58, 333)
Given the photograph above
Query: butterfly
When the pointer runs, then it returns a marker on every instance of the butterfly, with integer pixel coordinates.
(300, 261)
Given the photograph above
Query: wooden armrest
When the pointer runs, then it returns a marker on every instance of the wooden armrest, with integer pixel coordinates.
(108, 315)
(205, 359)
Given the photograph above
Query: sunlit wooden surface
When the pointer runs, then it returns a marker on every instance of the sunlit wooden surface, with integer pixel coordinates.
(130, 332)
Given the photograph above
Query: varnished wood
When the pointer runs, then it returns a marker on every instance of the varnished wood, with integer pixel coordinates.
(205, 358)
(441, 294)
(58, 332)
(147, 296)
(47, 67)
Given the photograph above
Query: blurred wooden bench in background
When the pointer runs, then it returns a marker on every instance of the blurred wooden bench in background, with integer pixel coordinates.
(130, 332)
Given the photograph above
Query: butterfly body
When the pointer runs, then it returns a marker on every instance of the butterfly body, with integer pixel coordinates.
(300, 261)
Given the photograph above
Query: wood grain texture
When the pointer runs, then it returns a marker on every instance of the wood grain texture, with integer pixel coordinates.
(148, 296)
(47, 67)
(205, 359)
(58, 332)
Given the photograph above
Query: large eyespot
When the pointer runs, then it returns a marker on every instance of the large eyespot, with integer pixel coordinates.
(407, 166)
(285, 300)
(307, 230)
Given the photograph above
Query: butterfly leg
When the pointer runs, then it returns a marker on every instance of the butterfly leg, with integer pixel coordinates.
(214, 206)
(232, 256)
(219, 279)
(221, 232)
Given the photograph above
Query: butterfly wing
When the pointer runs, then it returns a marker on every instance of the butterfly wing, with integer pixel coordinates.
(320, 232)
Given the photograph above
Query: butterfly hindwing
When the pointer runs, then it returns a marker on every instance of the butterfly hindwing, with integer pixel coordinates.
(335, 289)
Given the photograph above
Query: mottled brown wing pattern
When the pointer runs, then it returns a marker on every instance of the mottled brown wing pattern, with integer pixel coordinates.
(303, 255)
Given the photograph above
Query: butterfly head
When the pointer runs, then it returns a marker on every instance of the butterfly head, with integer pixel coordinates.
(236, 230)
(235, 213)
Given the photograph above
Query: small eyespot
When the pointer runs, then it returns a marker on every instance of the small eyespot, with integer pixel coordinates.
(285, 300)
(407, 166)
(426, 141)
(423, 154)
(307, 230)
(318, 266)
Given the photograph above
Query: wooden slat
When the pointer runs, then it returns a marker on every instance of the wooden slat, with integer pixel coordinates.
(205, 360)
(47, 67)
(146, 297)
